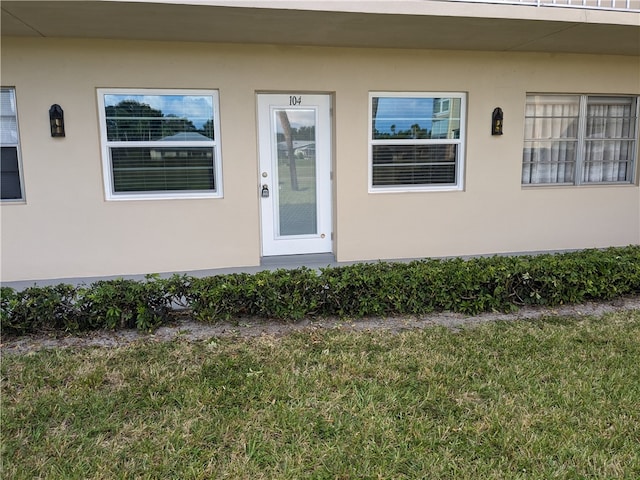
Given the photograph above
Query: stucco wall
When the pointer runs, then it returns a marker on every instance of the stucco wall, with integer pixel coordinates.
(67, 229)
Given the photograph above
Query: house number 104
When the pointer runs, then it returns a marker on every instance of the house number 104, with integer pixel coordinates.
(293, 100)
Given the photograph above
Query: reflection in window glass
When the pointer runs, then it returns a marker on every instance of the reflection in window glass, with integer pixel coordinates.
(399, 118)
(160, 144)
(416, 141)
(141, 118)
(296, 194)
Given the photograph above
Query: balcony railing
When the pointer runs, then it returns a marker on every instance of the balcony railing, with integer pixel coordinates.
(617, 5)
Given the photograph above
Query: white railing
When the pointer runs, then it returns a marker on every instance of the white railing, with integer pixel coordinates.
(617, 5)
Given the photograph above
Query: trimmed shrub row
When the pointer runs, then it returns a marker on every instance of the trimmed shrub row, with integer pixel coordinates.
(370, 289)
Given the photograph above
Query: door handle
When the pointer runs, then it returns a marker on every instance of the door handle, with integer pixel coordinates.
(265, 191)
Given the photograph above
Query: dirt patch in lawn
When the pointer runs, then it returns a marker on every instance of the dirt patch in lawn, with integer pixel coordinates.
(188, 329)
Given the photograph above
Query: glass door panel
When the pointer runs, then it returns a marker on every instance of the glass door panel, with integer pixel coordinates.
(296, 171)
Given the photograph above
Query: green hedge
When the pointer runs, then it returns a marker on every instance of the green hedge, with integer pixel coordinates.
(369, 289)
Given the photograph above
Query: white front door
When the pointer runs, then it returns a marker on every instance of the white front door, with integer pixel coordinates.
(295, 173)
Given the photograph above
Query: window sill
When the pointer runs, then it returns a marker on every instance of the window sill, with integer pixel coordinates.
(177, 196)
(448, 188)
(579, 186)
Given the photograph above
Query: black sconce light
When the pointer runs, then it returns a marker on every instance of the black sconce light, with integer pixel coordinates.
(56, 119)
(496, 121)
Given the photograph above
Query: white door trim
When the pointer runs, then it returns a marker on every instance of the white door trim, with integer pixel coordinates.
(317, 239)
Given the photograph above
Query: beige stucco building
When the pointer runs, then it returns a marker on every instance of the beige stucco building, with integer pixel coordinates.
(203, 135)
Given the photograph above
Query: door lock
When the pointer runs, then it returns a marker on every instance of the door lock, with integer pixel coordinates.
(265, 191)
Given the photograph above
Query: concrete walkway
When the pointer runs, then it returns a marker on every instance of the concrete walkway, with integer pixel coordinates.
(289, 262)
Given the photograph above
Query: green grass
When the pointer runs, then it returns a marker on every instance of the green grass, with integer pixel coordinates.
(553, 398)
(306, 193)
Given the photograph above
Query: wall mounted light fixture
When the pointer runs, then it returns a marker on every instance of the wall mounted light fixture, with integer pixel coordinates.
(56, 120)
(496, 121)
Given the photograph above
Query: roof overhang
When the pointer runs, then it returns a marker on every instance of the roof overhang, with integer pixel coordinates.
(424, 24)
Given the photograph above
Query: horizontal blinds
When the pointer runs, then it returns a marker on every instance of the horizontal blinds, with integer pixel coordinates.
(10, 186)
(579, 139)
(161, 142)
(163, 169)
(8, 117)
(416, 139)
(414, 164)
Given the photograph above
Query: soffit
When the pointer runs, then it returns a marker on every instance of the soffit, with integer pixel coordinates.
(445, 25)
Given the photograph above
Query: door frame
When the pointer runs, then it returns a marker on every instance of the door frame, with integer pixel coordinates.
(271, 243)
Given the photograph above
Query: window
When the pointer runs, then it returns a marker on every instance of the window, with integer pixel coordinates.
(579, 139)
(441, 105)
(416, 141)
(160, 144)
(11, 184)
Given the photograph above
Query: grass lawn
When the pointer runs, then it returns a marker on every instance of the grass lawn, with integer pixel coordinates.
(544, 399)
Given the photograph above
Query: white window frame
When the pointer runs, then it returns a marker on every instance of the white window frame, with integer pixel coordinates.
(581, 142)
(169, 195)
(16, 145)
(460, 142)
